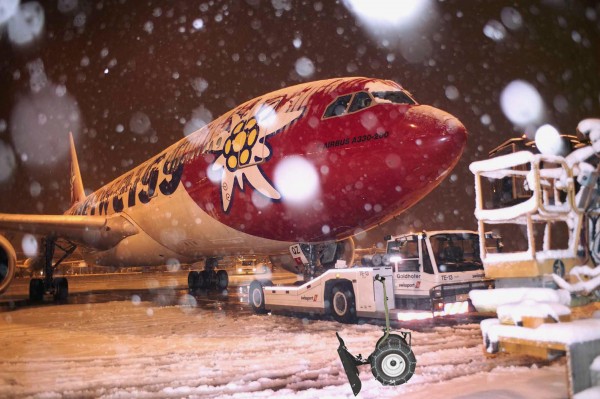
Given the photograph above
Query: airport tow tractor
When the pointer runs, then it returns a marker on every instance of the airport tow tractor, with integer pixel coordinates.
(392, 362)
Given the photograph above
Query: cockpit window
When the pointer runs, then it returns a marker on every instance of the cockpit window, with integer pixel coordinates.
(395, 97)
(338, 107)
(361, 100)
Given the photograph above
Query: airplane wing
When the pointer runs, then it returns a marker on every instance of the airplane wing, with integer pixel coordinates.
(99, 232)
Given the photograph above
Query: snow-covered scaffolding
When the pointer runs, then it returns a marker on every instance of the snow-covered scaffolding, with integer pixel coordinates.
(547, 197)
(531, 190)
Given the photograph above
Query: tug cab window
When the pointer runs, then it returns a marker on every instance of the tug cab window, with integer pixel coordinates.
(338, 107)
(361, 100)
(394, 97)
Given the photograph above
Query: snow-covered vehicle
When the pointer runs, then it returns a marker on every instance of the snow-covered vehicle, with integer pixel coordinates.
(425, 271)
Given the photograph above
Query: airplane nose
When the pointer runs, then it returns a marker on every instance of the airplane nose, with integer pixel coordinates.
(456, 130)
(454, 137)
(440, 136)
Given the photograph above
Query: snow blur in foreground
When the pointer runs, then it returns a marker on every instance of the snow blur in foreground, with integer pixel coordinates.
(134, 349)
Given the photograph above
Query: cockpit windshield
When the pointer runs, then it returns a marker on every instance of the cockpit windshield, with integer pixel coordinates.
(350, 103)
(339, 107)
(394, 97)
(361, 100)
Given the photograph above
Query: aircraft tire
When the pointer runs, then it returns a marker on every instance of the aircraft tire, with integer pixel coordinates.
(222, 280)
(393, 362)
(61, 289)
(343, 305)
(192, 280)
(256, 297)
(36, 290)
(203, 279)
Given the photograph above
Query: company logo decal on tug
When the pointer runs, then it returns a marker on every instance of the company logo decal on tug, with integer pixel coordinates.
(312, 164)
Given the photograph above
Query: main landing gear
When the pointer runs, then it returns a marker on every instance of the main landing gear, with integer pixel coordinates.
(59, 286)
(209, 277)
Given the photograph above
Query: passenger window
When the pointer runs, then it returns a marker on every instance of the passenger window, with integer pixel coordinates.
(361, 100)
(395, 97)
(338, 107)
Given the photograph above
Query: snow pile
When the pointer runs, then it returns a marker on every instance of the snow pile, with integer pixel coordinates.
(582, 286)
(490, 300)
(514, 312)
(495, 165)
(595, 371)
(582, 330)
(590, 393)
(218, 349)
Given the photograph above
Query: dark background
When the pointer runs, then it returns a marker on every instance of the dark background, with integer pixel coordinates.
(128, 76)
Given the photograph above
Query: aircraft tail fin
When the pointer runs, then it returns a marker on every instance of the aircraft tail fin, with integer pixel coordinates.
(77, 192)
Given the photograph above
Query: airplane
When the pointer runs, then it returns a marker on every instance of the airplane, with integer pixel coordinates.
(312, 164)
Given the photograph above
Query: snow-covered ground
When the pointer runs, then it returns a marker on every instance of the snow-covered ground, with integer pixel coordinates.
(211, 346)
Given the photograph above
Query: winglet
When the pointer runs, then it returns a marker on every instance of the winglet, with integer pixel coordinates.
(77, 192)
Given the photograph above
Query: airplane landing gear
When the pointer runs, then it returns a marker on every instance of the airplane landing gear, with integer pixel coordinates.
(59, 286)
(209, 277)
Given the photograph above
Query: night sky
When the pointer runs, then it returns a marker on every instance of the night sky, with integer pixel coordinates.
(131, 77)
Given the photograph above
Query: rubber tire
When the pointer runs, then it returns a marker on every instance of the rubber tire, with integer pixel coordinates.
(36, 290)
(341, 294)
(61, 289)
(385, 360)
(222, 280)
(192, 280)
(203, 279)
(256, 297)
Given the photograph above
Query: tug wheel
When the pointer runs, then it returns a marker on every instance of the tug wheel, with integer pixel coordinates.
(343, 306)
(256, 297)
(393, 362)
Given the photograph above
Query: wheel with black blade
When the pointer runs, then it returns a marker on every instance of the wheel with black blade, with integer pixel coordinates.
(393, 362)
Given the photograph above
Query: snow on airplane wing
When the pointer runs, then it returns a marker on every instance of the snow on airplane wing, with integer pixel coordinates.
(98, 232)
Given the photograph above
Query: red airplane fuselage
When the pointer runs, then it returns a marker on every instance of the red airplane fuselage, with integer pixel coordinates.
(315, 162)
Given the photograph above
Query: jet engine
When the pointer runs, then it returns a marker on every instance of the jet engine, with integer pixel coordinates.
(8, 263)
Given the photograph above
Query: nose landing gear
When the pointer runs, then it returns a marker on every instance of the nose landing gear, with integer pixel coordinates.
(392, 362)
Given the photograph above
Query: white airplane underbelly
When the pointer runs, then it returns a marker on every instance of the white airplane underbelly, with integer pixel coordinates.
(174, 227)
